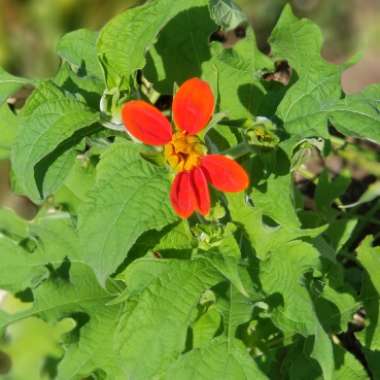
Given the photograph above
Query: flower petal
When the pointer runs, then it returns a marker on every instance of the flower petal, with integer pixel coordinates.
(182, 195)
(201, 191)
(224, 173)
(146, 123)
(193, 105)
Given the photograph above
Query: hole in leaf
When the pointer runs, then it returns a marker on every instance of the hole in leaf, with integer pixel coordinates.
(269, 222)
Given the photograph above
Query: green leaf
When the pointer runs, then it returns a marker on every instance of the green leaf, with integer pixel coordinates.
(124, 41)
(78, 182)
(263, 236)
(228, 266)
(304, 108)
(19, 269)
(86, 89)
(8, 130)
(227, 14)
(369, 258)
(182, 47)
(329, 189)
(277, 201)
(10, 84)
(112, 218)
(235, 74)
(359, 114)
(52, 122)
(156, 327)
(235, 308)
(12, 225)
(95, 348)
(283, 273)
(55, 239)
(205, 328)
(216, 360)
(347, 366)
(323, 352)
(79, 49)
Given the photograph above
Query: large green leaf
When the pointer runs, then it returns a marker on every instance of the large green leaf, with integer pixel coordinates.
(52, 122)
(181, 48)
(283, 275)
(124, 41)
(235, 76)
(304, 108)
(216, 360)
(157, 324)
(130, 197)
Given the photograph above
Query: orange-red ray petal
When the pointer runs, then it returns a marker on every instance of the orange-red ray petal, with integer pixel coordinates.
(201, 191)
(182, 195)
(224, 173)
(193, 105)
(146, 123)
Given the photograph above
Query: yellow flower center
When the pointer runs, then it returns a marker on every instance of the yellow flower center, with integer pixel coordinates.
(184, 151)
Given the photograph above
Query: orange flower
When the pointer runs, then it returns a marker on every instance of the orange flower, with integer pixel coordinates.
(193, 106)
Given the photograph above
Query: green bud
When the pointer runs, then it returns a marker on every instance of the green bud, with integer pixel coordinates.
(261, 132)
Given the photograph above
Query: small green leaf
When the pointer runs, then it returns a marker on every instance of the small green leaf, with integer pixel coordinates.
(227, 14)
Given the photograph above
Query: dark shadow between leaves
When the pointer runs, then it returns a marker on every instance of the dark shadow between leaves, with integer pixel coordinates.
(146, 242)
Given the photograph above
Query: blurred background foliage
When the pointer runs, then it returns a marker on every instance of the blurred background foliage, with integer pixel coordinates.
(29, 31)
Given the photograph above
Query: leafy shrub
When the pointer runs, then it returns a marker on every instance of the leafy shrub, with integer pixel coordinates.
(263, 286)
